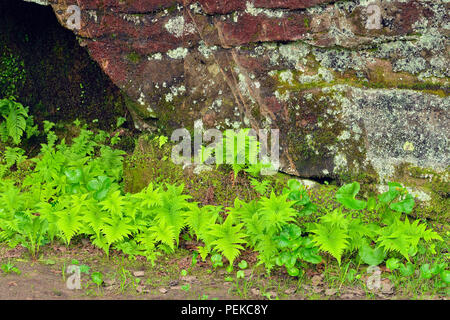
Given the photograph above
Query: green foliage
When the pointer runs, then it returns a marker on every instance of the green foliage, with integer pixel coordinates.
(298, 193)
(228, 238)
(239, 150)
(346, 196)
(293, 248)
(75, 190)
(403, 237)
(260, 187)
(16, 122)
(97, 278)
(12, 72)
(9, 268)
(331, 234)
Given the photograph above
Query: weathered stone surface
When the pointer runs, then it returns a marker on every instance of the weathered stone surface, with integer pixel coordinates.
(349, 100)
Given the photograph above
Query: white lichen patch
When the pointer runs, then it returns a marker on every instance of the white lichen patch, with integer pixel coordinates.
(205, 50)
(196, 8)
(155, 56)
(287, 76)
(92, 14)
(282, 96)
(177, 27)
(345, 135)
(294, 52)
(141, 99)
(134, 18)
(174, 92)
(323, 74)
(243, 86)
(340, 163)
(252, 10)
(216, 105)
(178, 53)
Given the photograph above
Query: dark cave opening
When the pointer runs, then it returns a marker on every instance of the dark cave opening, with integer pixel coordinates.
(43, 66)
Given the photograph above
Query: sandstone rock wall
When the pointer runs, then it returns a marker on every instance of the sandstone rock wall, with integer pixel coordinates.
(353, 96)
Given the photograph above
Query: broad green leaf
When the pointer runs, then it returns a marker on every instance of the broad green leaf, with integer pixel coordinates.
(445, 276)
(97, 278)
(73, 175)
(425, 272)
(372, 256)
(407, 270)
(293, 271)
(243, 264)
(405, 206)
(371, 203)
(392, 193)
(294, 184)
(346, 196)
(392, 263)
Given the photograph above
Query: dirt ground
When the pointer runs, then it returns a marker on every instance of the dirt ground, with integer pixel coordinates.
(124, 279)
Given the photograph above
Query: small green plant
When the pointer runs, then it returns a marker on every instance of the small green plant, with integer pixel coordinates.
(120, 121)
(186, 287)
(75, 190)
(293, 249)
(97, 278)
(9, 268)
(260, 187)
(16, 123)
(217, 260)
(299, 194)
(239, 150)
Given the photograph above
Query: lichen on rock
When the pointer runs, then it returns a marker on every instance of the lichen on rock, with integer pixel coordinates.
(346, 98)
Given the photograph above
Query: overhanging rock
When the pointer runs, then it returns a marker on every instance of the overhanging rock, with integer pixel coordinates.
(352, 96)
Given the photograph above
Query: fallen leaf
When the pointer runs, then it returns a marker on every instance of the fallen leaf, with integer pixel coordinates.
(387, 287)
(189, 279)
(255, 291)
(290, 291)
(330, 292)
(141, 289)
(138, 273)
(317, 280)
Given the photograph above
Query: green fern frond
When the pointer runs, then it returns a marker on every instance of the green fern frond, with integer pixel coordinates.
(330, 239)
(114, 204)
(116, 229)
(228, 239)
(276, 211)
(164, 233)
(199, 219)
(69, 223)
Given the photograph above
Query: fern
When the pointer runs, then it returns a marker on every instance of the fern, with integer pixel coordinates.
(14, 155)
(200, 219)
(164, 233)
(114, 204)
(95, 219)
(228, 239)
(15, 120)
(147, 241)
(69, 223)
(276, 211)
(174, 205)
(330, 239)
(331, 234)
(149, 197)
(260, 187)
(116, 229)
(404, 236)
